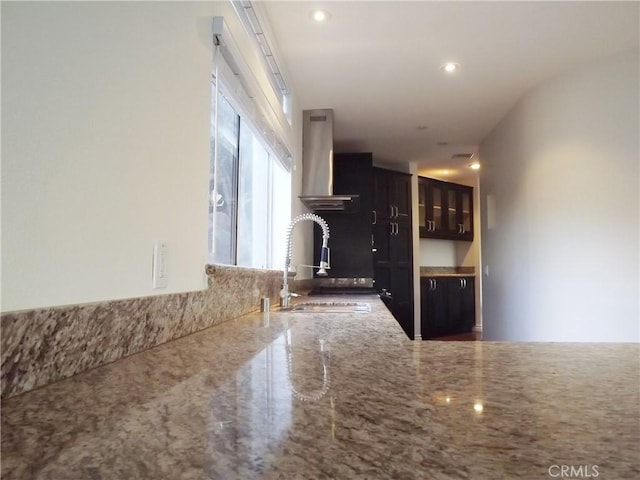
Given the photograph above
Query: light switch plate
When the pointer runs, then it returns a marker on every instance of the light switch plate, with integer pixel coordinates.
(159, 265)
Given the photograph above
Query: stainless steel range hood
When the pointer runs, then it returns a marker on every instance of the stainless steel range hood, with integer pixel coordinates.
(317, 164)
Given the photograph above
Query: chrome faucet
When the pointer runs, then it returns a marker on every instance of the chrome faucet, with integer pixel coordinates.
(285, 294)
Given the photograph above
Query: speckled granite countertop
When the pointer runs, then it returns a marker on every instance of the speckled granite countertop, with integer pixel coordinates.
(341, 396)
(447, 272)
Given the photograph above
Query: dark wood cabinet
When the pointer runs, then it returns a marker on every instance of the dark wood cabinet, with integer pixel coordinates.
(445, 210)
(350, 232)
(392, 243)
(376, 240)
(447, 305)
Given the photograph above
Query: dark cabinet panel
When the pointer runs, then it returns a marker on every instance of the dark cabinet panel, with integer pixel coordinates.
(446, 210)
(381, 241)
(447, 305)
(402, 239)
(393, 244)
(381, 195)
(401, 197)
(433, 301)
(350, 233)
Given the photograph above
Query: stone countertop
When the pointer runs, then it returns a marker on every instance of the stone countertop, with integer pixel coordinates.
(334, 395)
(439, 275)
(432, 272)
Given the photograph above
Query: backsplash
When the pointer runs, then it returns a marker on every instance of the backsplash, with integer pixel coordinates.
(45, 345)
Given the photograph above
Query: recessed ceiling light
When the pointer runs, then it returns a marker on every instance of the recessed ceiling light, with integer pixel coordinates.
(474, 165)
(320, 15)
(450, 67)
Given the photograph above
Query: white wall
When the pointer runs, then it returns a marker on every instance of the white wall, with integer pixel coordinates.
(562, 169)
(105, 147)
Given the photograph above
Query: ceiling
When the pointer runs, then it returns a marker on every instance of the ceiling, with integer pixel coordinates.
(377, 65)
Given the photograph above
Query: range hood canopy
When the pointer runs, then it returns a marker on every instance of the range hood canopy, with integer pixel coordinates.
(317, 164)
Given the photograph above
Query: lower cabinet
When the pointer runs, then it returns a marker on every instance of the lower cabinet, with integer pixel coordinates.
(395, 284)
(447, 305)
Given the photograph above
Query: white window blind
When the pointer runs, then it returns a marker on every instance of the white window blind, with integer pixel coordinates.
(257, 103)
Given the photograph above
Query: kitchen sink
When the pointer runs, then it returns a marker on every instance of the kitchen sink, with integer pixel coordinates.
(332, 307)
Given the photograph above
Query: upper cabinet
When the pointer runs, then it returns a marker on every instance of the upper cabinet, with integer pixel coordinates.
(391, 195)
(445, 210)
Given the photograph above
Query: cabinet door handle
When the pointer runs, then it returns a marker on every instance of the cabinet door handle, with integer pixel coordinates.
(396, 207)
(375, 217)
(390, 211)
(396, 227)
(465, 282)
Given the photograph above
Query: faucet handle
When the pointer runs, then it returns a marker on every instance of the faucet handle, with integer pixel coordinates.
(324, 261)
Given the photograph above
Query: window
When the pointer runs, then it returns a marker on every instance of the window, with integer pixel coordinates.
(250, 193)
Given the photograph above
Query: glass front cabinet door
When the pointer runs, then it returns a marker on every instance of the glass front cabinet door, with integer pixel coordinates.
(445, 209)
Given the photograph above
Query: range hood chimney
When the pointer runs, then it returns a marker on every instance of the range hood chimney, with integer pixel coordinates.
(317, 164)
